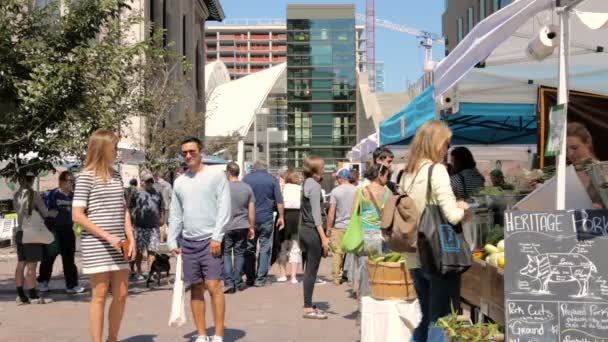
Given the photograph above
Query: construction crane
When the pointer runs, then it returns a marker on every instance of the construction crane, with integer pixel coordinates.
(427, 38)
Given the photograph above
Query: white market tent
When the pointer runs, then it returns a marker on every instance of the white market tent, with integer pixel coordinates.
(216, 74)
(231, 106)
(364, 148)
(498, 44)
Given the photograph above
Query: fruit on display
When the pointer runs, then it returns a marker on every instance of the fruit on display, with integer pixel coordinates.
(496, 254)
(389, 257)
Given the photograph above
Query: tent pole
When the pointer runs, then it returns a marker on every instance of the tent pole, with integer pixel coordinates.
(562, 98)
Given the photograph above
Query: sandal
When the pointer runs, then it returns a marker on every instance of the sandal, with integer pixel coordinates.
(314, 314)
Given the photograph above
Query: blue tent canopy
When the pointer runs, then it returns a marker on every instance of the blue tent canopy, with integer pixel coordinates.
(475, 123)
(494, 123)
(401, 127)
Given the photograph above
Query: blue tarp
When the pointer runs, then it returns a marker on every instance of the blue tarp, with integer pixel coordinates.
(494, 123)
(475, 123)
(401, 127)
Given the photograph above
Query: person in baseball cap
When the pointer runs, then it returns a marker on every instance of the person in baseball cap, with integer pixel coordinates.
(340, 208)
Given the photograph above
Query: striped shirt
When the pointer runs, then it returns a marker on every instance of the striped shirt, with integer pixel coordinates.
(467, 183)
(105, 206)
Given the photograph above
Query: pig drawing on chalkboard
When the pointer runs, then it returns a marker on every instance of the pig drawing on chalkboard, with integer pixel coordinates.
(560, 268)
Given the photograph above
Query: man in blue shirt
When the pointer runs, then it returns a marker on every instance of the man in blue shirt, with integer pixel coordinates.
(267, 194)
(60, 199)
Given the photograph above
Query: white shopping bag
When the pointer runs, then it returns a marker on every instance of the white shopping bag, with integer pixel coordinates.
(178, 304)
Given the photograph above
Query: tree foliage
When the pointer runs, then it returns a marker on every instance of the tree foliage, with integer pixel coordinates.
(64, 76)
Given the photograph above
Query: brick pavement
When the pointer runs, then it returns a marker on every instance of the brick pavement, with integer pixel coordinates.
(272, 313)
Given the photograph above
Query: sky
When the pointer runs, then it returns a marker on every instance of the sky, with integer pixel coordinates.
(400, 52)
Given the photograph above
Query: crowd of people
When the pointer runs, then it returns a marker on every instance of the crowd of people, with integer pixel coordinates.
(229, 229)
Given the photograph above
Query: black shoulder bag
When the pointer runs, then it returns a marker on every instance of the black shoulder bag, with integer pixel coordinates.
(442, 248)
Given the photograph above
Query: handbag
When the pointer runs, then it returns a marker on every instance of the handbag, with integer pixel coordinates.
(34, 230)
(442, 248)
(352, 242)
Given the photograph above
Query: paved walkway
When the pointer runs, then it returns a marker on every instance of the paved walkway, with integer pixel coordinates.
(272, 313)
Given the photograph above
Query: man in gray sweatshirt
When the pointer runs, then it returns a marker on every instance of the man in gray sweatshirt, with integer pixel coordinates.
(200, 209)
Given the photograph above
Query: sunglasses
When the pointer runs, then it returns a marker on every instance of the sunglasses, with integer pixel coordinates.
(191, 152)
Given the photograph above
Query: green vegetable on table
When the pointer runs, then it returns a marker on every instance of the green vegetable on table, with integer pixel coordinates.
(390, 257)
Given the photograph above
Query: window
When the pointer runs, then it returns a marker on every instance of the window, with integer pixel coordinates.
(482, 10)
(152, 13)
(184, 36)
(459, 30)
(197, 71)
(470, 19)
(165, 23)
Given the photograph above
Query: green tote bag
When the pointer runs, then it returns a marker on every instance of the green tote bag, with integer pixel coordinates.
(352, 242)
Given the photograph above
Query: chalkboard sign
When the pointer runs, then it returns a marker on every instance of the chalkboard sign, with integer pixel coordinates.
(556, 276)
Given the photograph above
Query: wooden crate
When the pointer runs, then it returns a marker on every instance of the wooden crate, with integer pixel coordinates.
(482, 286)
(471, 284)
(497, 299)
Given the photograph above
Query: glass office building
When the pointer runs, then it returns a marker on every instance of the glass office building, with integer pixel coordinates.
(321, 83)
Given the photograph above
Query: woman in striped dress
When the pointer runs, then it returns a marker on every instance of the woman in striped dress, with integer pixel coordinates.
(99, 207)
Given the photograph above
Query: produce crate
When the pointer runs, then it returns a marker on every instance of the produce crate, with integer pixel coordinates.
(482, 286)
(496, 300)
(472, 285)
(390, 280)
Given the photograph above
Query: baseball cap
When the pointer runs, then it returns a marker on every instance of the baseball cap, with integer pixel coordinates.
(146, 176)
(344, 173)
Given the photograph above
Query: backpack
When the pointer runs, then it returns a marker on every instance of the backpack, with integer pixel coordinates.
(399, 223)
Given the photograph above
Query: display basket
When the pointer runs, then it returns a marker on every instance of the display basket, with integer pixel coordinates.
(390, 281)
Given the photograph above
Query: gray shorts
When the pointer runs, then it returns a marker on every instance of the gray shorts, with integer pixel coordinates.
(148, 239)
(28, 252)
(199, 264)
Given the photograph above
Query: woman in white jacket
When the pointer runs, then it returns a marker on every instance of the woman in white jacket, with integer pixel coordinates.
(437, 294)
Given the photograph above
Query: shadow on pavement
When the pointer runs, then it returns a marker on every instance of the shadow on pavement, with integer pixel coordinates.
(324, 306)
(140, 338)
(8, 293)
(229, 334)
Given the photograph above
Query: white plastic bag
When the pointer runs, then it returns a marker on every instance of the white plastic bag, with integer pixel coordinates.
(178, 304)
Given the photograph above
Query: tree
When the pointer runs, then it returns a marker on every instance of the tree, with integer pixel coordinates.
(62, 77)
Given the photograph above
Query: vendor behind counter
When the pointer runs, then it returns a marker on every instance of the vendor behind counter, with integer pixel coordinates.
(466, 180)
(581, 155)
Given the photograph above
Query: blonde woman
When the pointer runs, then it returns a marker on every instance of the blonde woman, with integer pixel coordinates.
(437, 294)
(99, 207)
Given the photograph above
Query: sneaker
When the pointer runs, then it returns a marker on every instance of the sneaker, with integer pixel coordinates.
(22, 301)
(41, 300)
(202, 339)
(75, 290)
(43, 286)
(320, 282)
(140, 277)
(259, 284)
(294, 281)
(229, 290)
(282, 279)
(217, 339)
